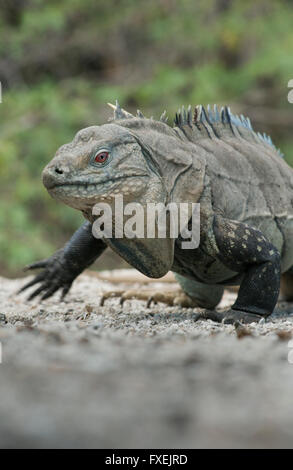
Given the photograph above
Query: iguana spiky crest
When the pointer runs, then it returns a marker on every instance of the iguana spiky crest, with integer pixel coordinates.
(209, 118)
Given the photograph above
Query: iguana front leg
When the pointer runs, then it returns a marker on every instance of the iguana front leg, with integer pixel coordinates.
(60, 270)
(245, 250)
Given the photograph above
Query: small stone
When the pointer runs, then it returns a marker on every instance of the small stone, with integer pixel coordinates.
(241, 331)
(98, 325)
(89, 308)
(69, 311)
(3, 318)
(284, 335)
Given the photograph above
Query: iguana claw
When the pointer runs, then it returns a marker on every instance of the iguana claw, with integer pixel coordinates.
(60, 270)
(56, 274)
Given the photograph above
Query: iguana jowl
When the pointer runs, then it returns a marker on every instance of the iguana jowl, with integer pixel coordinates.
(243, 185)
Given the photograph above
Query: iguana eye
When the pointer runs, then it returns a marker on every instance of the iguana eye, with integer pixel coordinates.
(101, 157)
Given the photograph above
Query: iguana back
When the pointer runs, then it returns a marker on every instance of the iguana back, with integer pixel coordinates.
(248, 178)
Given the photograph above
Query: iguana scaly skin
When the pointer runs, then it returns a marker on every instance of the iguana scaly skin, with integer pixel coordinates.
(243, 185)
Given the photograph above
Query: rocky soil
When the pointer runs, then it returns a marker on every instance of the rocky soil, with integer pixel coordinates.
(76, 374)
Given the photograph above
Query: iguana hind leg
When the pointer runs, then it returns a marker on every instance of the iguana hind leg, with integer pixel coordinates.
(203, 295)
(191, 294)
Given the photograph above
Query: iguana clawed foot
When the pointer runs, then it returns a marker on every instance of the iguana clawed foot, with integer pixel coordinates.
(55, 275)
(60, 270)
(229, 317)
(171, 298)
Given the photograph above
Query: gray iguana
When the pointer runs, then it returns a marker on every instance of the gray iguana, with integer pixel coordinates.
(243, 185)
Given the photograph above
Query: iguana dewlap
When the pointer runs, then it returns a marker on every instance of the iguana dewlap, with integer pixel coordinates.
(243, 185)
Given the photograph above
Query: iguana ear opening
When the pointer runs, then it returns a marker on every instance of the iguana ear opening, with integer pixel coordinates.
(149, 158)
(188, 185)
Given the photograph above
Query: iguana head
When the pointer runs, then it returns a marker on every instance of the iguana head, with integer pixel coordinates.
(140, 158)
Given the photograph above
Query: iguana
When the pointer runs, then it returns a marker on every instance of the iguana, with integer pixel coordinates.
(212, 157)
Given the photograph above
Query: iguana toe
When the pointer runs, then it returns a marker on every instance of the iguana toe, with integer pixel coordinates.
(229, 317)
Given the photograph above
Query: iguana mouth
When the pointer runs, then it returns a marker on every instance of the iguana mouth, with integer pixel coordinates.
(98, 183)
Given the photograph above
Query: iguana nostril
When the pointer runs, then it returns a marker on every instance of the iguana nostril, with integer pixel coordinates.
(58, 170)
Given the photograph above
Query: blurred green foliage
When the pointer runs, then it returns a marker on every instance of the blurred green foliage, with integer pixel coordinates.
(60, 62)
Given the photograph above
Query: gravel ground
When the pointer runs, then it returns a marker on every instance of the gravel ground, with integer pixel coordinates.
(75, 374)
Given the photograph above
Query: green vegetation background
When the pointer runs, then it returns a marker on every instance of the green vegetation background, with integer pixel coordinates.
(61, 62)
